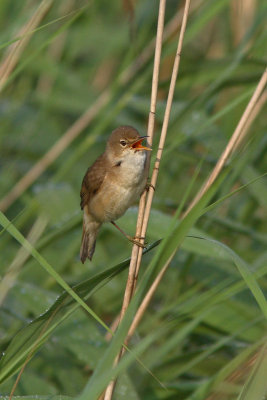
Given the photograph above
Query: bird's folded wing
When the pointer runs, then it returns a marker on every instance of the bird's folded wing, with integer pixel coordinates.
(93, 180)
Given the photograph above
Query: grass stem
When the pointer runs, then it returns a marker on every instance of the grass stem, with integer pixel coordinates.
(146, 199)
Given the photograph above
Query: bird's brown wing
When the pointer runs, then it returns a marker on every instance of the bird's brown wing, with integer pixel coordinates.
(93, 180)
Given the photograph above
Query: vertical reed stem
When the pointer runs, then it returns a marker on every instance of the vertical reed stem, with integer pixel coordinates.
(146, 199)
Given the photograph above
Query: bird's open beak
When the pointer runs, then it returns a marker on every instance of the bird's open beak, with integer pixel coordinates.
(138, 144)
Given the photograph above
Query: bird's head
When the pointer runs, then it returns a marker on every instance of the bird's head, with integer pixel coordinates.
(125, 140)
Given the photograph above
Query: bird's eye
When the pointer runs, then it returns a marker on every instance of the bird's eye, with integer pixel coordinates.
(123, 143)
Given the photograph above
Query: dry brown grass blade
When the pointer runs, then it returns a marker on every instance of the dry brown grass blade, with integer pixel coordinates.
(238, 136)
(15, 50)
(74, 131)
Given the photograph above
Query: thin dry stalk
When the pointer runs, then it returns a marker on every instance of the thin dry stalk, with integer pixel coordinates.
(150, 133)
(170, 29)
(16, 49)
(246, 120)
(143, 306)
(238, 133)
(81, 123)
(163, 133)
(151, 123)
(137, 251)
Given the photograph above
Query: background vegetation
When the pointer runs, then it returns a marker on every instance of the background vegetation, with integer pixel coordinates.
(203, 335)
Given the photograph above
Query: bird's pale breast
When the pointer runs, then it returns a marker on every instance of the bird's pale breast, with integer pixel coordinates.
(121, 187)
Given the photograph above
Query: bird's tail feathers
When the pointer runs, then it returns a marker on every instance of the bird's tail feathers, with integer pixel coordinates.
(90, 229)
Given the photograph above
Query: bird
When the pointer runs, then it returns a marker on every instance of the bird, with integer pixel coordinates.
(112, 184)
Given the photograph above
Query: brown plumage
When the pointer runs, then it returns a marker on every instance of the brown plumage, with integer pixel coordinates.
(111, 184)
(90, 186)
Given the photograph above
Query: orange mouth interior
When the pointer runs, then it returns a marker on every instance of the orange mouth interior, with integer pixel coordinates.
(138, 145)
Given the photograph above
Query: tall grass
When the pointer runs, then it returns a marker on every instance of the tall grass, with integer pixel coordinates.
(83, 69)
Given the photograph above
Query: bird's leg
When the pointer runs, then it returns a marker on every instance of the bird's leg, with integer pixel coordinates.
(130, 238)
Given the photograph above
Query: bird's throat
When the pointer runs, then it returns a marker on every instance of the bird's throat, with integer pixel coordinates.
(131, 169)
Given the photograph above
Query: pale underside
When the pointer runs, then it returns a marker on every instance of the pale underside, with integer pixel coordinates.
(121, 187)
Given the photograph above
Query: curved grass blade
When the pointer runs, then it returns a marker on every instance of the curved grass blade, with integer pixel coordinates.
(244, 271)
(31, 338)
(41, 27)
(4, 221)
(34, 335)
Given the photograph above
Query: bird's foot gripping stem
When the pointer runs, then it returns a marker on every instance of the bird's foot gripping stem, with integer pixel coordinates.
(135, 240)
(149, 185)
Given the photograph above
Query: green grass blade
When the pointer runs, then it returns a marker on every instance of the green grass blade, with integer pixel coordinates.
(40, 259)
(245, 272)
(33, 336)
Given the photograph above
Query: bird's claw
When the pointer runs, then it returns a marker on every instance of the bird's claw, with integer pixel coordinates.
(136, 240)
(148, 185)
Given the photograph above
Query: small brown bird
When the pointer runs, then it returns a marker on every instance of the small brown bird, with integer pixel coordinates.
(112, 184)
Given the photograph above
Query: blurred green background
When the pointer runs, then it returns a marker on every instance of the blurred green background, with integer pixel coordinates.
(81, 51)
